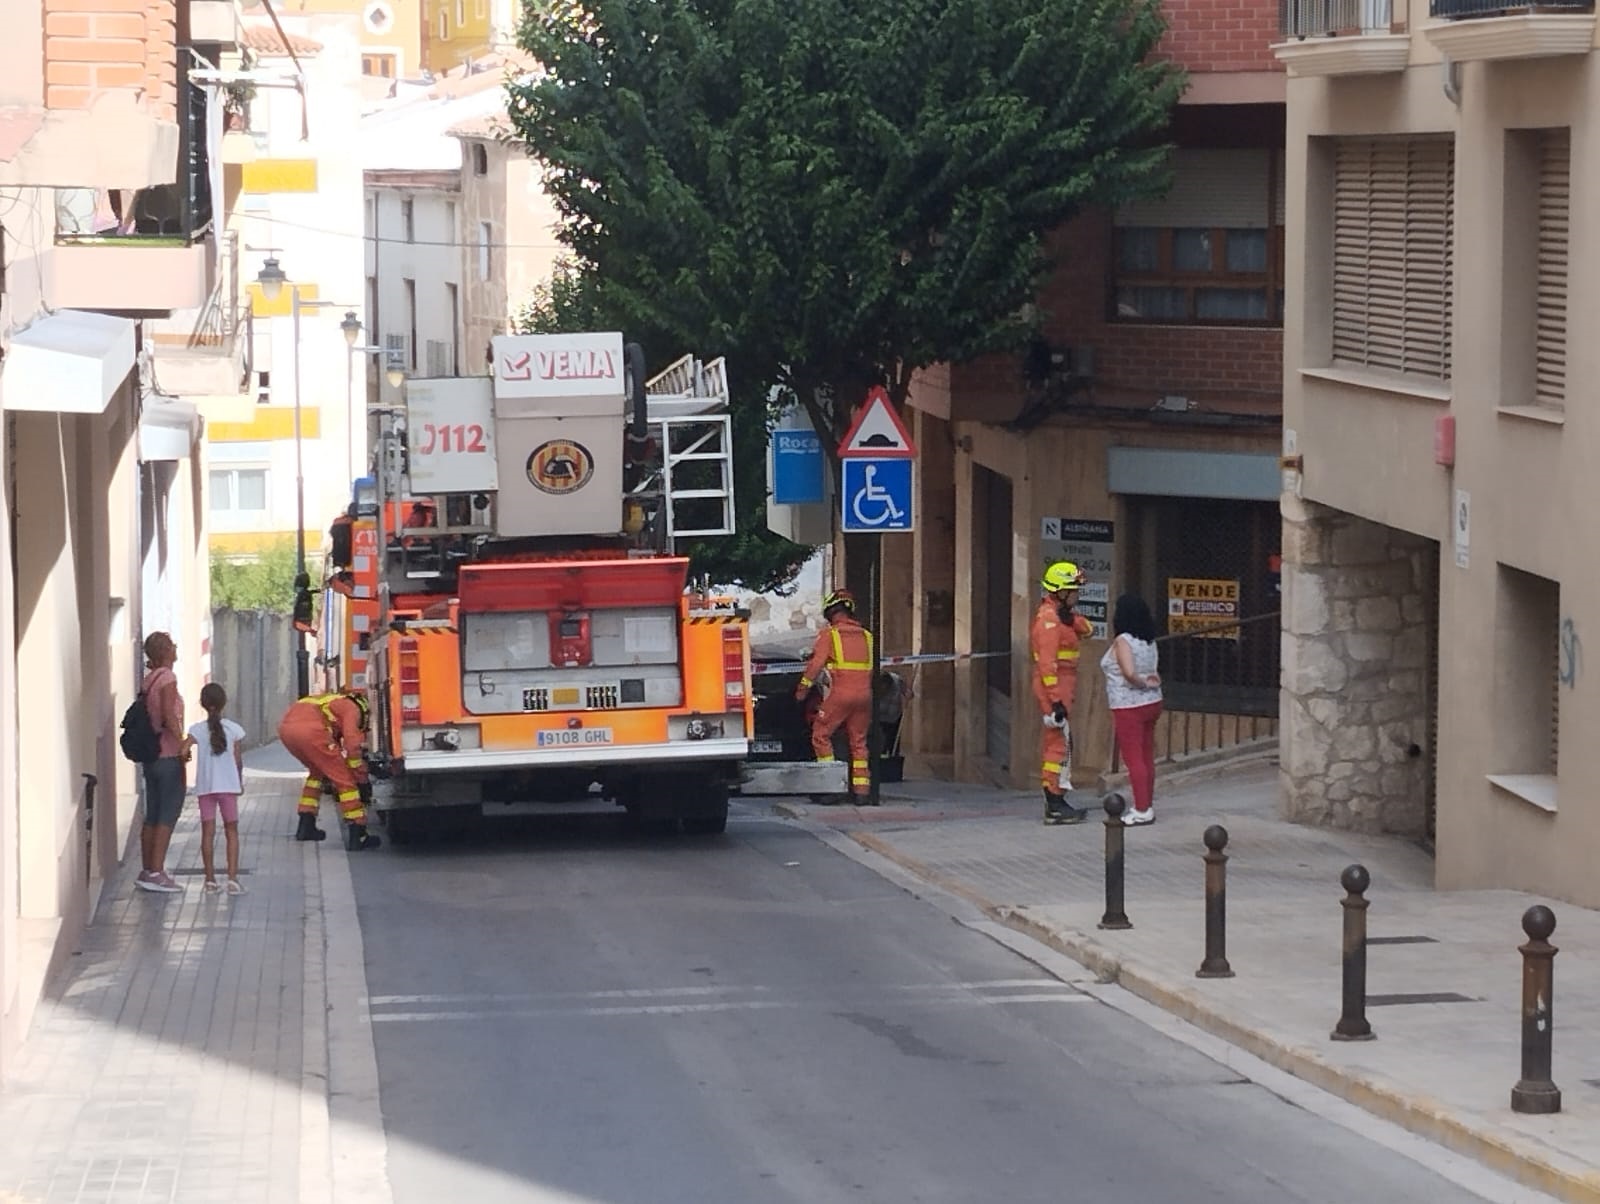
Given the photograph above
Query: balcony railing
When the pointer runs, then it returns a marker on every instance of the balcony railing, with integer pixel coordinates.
(1329, 18)
(224, 316)
(166, 215)
(1462, 10)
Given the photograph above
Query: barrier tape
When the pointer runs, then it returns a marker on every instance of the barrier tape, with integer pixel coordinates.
(921, 658)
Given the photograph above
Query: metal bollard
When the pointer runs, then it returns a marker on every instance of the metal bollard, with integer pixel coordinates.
(1115, 917)
(1535, 1093)
(1215, 964)
(1353, 1024)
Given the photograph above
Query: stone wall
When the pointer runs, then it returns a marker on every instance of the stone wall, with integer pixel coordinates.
(1354, 705)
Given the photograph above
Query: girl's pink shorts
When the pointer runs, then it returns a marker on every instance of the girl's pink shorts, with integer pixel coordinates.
(228, 804)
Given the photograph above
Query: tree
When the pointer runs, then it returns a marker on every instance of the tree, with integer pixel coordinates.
(835, 194)
(754, 557)
(263, 583)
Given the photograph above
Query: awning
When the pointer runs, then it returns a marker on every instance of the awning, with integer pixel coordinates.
(71, 362)
(168, 428)
(1179, 472)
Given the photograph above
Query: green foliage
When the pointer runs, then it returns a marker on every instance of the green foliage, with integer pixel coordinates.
(833, 194)
(754, 558)
(263, 583)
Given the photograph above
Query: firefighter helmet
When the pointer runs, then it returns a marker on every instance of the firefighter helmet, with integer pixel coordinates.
(363, 706)
(839, 599)
(1062, 575)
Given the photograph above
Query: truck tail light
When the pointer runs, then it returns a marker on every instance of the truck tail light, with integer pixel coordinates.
(733, 665)
(410, 683)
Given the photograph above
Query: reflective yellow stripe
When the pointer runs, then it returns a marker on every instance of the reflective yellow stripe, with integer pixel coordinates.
(1064, 655)
(354, 762)
(838, 652)
(1049, 679)
(824, 760)
(806, 682)
(1052, 767)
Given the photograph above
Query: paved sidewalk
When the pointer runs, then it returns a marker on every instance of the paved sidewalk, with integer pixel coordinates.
(183, 1054)
(1442, 1069)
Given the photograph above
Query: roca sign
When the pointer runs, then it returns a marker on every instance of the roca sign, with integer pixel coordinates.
(558, 365)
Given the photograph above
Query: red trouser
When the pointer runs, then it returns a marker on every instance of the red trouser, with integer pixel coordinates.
(851, 709)
(305, 734)
(1136, 740)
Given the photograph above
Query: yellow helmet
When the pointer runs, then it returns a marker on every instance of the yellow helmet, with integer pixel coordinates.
(1063, 574)
(363, 705)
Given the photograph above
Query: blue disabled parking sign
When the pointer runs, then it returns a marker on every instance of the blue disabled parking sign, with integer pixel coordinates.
(875, 495)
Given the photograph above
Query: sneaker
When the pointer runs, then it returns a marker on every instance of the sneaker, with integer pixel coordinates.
(145, 881)
(159, 881)
(1136, 818)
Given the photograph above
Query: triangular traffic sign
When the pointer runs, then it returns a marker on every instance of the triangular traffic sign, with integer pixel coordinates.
(877, 432)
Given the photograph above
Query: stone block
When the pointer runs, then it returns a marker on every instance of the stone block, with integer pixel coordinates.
(1400, 781)
(1413, 609)
(1356, 541)
(1354, 744)
(1389, 580)
(1303, 746)
(1312, 666)
(1304, 543)
(1364, 647)
(1325, 711)
(1305, 603)
(1339, 792)
(1344, 616)
(1378, 614)
(1411, 649)
(1395, 706)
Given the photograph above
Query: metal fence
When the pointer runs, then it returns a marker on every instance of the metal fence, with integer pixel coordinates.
(252, 656)
(1455, 10)
(1321, 18)
(1219, 686)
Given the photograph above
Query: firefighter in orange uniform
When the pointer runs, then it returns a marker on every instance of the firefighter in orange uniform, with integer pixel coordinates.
(1054, 640)
(844, 648)
(327, 734)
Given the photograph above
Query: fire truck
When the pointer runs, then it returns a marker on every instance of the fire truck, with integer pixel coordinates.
(507, 588)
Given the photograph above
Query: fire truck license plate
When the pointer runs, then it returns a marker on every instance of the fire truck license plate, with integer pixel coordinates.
(574, 737)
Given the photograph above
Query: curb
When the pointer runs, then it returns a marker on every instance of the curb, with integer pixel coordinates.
(1544, 1170)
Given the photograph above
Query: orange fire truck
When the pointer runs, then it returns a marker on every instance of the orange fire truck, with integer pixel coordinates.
(507, 589)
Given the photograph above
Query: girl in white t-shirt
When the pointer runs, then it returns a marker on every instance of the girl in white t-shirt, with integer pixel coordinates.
(219, 781)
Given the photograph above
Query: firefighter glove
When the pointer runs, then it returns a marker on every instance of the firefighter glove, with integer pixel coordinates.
(1059, 714)
(365, 790)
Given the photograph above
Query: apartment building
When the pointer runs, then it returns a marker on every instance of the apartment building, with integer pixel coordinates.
(455, 32)
(1438, 544)
(1138, 437)
(112, 262)
(282, 457)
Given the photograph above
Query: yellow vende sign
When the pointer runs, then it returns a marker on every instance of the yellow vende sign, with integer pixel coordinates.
(1196, 603)
(282, 305)
(278, 175)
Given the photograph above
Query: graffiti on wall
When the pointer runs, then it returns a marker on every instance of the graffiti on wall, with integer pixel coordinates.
(1571, 653)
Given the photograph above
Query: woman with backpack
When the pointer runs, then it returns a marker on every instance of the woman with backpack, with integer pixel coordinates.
(164, 777)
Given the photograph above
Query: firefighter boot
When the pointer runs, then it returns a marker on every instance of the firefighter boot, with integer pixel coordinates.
(357, 837)
(308, 829)
(1056, 810)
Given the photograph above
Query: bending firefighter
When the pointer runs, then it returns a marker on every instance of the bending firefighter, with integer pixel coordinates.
(327, 734)
(1054, 641)
(844, 649)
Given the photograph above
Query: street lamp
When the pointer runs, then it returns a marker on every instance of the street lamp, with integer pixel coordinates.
(272, 279)
(352, 326)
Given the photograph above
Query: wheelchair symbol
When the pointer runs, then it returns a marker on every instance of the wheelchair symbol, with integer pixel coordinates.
(877, 500)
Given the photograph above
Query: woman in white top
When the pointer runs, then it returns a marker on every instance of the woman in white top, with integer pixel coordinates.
(1133, 691)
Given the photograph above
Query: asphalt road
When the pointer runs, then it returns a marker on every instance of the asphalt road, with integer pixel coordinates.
(564, 1011)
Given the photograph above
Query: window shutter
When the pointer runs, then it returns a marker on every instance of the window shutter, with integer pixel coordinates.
(1211, 189)
(1550, 340)
(1392, 271)
(440, 358)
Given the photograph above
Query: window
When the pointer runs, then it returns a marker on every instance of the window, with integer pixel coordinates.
(480, 159)
(1211, 250)
(485, 245)
(411, 324)
(1550, 301)
(444, 25)
(1535, 668)
(461, 13)
(408, 218)
(450, 221)
(1393, 216)
(238, 490)
(378, 64)
(453, 300)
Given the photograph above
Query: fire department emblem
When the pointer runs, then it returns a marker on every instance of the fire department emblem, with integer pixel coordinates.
(560, 467)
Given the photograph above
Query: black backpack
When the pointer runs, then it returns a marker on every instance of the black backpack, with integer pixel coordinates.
(141, 743)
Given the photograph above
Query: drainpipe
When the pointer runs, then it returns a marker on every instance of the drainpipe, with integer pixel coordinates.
(1452, 81)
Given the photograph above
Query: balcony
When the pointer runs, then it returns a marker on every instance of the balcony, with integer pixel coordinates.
(115, 143)
(144, 250)
(1484, 30)
(1341, 37)
(205, 352)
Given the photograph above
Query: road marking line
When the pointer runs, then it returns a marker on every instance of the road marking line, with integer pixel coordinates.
(692, 992)
(690, 1009)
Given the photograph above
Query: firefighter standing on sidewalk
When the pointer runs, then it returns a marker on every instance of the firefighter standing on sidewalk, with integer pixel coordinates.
(1054, 639)
(327, 734)
(844, 648)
